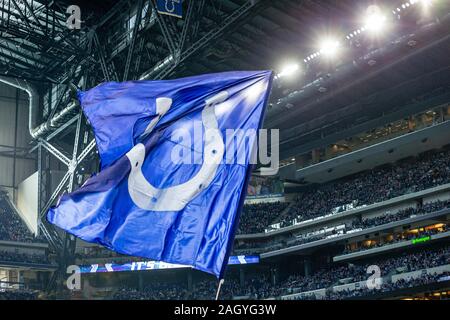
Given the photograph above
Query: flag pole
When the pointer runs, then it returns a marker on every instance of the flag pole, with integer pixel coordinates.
(221, 281)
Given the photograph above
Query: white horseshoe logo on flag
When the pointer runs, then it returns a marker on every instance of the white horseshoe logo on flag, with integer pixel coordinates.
(175, 198)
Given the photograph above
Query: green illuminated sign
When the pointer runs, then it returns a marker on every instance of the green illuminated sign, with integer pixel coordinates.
(420, 240)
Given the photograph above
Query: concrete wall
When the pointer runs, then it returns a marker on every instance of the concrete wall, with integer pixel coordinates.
(419, 273)
(13, 171)
(317, 293)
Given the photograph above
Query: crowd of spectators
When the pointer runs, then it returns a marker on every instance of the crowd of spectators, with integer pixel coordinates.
(17, 295)
(156, 291)
(428, 170)
(386, 287)
(399, 238)
(254, 288)
(8, 256)
(412, 236)
(279, 243)
(12, 228)
(260, 286)
(404, 263)
(103, 255)
(404, 214)
(256, 217)
(354, 273)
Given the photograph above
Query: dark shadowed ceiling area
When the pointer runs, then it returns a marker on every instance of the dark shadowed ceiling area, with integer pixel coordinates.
(369, 78)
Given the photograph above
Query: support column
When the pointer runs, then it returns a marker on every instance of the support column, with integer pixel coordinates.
(411, 124)
(300, 161)
(20, 278)
(308, 266)
(241, 276)
(315, 156)
(140, 281)
(189, 280)
(274, 276)
(16, 125)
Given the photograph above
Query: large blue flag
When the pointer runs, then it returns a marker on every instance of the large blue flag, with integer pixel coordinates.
(175, 159)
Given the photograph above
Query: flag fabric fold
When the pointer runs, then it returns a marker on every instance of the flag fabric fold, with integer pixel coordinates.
(169, 188)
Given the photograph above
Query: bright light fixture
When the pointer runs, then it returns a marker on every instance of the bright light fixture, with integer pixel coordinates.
(426, 3)
(375, 20)
(329, 47)
(427, 6)
(289, 70)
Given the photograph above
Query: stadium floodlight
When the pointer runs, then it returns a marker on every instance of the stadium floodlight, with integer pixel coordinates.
(288, 70)
(375, 20)
(329, 47)
(427, 6)
(426, 3)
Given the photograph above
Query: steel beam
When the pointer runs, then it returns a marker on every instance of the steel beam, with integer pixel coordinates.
(109, 70)
(55, 194)
(213, 34)
(54, 151)
(168, 36)
(86, 151)
(31, 10)
(24, 18)
(186, 25)
(134, 35)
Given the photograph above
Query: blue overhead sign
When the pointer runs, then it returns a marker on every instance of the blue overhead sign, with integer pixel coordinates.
(155, 265)
(170, 7)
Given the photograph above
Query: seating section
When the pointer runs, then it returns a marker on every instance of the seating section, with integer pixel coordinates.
(355, 225)
(13, 257)
(256, 217)
(428, 170)
(260, 286)
(12, 228)
(18, 295)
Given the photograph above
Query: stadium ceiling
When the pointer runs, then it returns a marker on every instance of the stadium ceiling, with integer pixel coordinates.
(250, 34)
(227, 35)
